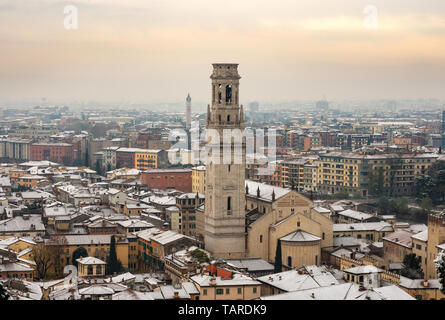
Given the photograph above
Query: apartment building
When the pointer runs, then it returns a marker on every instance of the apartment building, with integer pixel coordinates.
(357, 173)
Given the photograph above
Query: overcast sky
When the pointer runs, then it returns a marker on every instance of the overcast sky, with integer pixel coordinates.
(159, 50)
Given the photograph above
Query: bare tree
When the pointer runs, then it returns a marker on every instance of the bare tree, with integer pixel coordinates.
(56, 245)
(48, 256)
(43, 259)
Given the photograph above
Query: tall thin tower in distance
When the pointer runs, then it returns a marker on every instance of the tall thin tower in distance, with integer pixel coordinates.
(188, 112)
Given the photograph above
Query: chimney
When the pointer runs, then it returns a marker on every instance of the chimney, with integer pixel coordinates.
(425, 283)
(175, 295)
(313, 295)
(212, 281)
(353, 255)
(164, 227)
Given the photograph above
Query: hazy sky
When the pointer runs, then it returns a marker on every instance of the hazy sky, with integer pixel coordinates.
(158, 50)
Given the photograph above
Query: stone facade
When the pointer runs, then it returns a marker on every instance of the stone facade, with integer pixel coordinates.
(225, 235)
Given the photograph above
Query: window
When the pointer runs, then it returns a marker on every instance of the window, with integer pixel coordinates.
(204, 292)
(239, 290)
(289, 261)
(254, 289)
(229, 203)
(261, 238)
(90, 270)
(219, 291)
(227, 291)
(98, 269)
(228, 94)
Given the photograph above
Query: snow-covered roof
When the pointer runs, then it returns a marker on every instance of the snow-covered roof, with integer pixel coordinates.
(96, 290)
(90, 260)
(237, 280)
(290, 280)
(300, 236)
(363, 226)
(345, 291)
(321, 210)
(357, 215)
(132, 295)
(400, 237)
(250, 264)
(363, 270)
(266, 190)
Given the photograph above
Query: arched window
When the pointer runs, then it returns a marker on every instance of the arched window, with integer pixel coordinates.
(228, 118)
(229, 203)
(229, 94)
(289, 261)
(219, 97)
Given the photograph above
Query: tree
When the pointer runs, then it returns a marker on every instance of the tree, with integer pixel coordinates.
(412, 267)
(437, 173)
(4, 295)
(86, 158)
(78, 253)
(400, 205)
(98, 170)
(439, 262)
(113, 263)
(426, 204)
(56, 245)
(49, 256)
(278, 266)
(383, 205)
(424, 186)
(43, 259)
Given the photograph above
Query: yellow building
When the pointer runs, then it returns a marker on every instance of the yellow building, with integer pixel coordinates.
(420, 247)
(275, 213)
(237, 287)
(422, 289)
(300, 248)
(134, 209)
(145, 159)
(355, 173)
(23, 248)
(371, 231)
(96, 245)
(436, 242)
(198, 179)
(90, 267)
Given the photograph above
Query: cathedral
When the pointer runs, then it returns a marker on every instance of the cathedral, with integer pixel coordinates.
(243, 218)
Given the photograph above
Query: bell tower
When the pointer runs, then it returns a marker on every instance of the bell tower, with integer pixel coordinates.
(225, 224)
